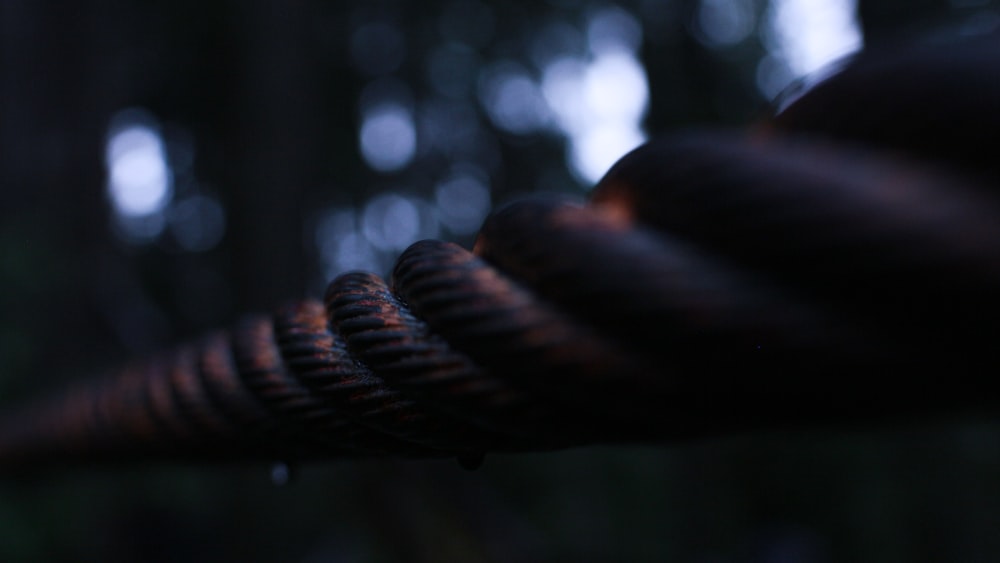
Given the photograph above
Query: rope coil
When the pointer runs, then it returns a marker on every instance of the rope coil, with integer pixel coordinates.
(841, 260)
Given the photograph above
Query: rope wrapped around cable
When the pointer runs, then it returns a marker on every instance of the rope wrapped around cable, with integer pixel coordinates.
(838, 262)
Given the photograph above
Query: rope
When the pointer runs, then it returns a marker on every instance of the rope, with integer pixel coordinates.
(839, 262)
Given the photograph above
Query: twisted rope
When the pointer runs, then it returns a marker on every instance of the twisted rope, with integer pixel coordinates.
(840, 261)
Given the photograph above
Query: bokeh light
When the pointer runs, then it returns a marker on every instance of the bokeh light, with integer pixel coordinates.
(593, 152)
(139, 180)
(388, 137)
(371, 237)
(723, 23)
(341, 245)
(513, 99)
(613, 29)
(802, 37)
(452, 129)
(463, 199)
(197, 223)
(615, 89)
(599, 100)
(392, 221)
(582, 81)
(152, 187)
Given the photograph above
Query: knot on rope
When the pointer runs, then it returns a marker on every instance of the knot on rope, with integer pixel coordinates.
(839, 260)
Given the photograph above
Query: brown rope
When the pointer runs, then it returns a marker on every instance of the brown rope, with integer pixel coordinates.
(840, 261)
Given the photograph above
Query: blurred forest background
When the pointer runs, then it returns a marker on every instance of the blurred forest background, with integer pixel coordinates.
(166, 166)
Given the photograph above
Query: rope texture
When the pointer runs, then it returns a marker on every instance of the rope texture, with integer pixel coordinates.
(840, 261)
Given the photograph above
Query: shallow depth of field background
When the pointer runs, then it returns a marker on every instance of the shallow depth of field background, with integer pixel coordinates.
(166, 166)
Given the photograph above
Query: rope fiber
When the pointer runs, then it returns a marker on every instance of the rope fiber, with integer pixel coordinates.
(838, 262)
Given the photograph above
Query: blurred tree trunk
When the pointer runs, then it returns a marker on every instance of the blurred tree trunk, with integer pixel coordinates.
(277, 126)
(53, 110)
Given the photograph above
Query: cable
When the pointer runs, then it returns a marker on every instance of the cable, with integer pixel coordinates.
(839, 262)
